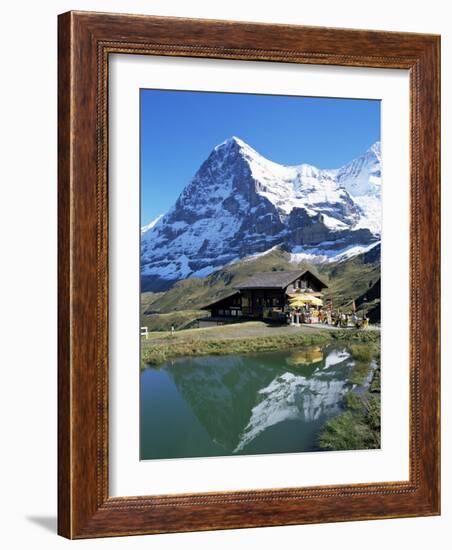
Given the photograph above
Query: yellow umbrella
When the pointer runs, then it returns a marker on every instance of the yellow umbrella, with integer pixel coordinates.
(302, 300)
(297, 303)
(316, 301)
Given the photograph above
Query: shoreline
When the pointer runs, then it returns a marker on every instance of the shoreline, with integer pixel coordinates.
(156, 351)
(358, 426)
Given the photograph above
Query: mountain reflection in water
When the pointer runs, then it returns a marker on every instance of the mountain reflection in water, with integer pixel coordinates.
(246, 404)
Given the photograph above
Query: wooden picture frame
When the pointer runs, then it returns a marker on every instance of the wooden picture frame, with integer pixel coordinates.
(86, 40)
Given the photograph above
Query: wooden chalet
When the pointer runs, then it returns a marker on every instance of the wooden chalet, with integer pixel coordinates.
(266, 295)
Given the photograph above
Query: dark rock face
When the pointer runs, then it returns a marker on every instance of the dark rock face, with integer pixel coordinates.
(238, 204)
(154, 283)
(306, 230)
(372, 255)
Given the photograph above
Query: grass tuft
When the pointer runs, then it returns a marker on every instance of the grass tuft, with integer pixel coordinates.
(358, 427)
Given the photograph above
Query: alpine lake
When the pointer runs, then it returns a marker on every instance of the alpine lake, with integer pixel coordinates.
(255, 403)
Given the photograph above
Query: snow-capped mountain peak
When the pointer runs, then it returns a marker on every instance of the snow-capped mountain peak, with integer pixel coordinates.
(362, 176)
(240, 203)
(150, 225)
(362, 179)
(286, 187)
(376, 149)
(233, 141)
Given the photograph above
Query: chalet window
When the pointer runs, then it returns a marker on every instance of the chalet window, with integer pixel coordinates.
(233, 312)
(239, 313)
(275, 302)
(220, 312)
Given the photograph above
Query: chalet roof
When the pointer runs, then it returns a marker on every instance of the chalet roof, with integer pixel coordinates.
(276, 279)
(212, 304)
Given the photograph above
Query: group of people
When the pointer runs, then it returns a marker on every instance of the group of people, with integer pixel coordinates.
(340, 319)
(308, 315)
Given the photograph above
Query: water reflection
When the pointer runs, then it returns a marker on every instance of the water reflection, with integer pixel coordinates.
(306, 356)
(255, 403)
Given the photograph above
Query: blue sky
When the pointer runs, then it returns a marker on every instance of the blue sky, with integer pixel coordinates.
(179, 130)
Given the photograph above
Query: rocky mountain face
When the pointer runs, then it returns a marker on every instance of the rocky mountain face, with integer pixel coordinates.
(241, 204)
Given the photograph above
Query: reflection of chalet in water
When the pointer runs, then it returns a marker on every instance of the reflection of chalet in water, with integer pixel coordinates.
(266, 295)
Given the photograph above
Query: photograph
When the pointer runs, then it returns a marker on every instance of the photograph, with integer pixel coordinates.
(259, 273)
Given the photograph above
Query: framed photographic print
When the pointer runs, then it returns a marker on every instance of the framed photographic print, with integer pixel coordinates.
(248, 275)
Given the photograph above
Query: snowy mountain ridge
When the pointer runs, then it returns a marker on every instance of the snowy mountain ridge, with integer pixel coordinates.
(151, 224)
(239, 203)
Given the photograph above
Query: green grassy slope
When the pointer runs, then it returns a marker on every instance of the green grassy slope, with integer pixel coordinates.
(198, 292)
(148, 298)
(177, 319)
(346, 281)
(349, 279)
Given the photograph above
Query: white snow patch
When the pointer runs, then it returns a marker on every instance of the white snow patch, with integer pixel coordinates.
(291, 397)
(177, 269)
(334, 224)
(336, 357)
(321, 254)
(151, 224)
(258, 254)
(204, 272)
